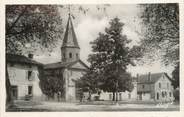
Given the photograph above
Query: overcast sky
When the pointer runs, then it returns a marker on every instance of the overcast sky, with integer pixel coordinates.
(88, 26)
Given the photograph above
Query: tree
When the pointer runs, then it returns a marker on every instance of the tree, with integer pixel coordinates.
(175, 76)
(160, 24)
(52, 84)
(88, 83)
(34, 24)
(110, 59)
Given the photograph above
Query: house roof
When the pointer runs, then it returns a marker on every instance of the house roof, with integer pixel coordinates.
(154, 77)
(63, 64)
(14, 58)
(70, 39)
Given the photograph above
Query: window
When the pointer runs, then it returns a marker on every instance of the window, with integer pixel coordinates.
(71, 72)
(29, 75)
(166, 94)
(14, 92)
(70, 55)
(170, 94)
(159, 85)
(64, 56)
(30, 90)
(77, 56)
(143, 86)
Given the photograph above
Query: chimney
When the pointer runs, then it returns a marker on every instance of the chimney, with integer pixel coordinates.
(30, 56)
(149, 76)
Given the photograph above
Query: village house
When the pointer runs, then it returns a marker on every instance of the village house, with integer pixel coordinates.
(148, 87)
(23, 76)
(155, 87)
(71, 68)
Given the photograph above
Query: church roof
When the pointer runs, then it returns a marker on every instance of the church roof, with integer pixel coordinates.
(70, 39)
(63, 64)
(154, 77)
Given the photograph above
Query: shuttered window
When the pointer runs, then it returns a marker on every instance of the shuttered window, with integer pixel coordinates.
(30, 90)
(30, 75)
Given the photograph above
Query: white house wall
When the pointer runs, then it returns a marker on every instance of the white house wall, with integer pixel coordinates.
(165, 87)
(146, 96)
(18, 77)
(121, 95)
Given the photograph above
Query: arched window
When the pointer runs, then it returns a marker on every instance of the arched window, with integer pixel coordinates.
(159, 85)
(166, 94)
(70, 55)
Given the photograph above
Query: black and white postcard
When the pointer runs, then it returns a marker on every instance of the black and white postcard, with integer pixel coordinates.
(102, 57)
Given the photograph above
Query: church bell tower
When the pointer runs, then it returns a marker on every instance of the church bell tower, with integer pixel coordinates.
(70, 50)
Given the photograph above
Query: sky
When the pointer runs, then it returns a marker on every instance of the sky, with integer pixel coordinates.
(87, 26)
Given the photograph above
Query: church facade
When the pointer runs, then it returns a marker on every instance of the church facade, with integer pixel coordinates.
(71, 68)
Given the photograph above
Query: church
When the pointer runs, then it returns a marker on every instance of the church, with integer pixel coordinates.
(71, 67)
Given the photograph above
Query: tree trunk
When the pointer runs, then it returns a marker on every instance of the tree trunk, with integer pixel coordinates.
(116, 91)
(116, 96)
(89, 96)
(113, 98)
(8, 89)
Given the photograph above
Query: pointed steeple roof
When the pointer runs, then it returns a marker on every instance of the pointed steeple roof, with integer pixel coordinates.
(70, 39)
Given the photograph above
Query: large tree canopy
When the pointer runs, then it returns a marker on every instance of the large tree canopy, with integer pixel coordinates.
(38, 25)
(160, 40)
(160, 24)
(110, 58)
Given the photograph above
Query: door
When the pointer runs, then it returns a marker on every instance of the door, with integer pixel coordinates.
(157, 96)
(14, 92)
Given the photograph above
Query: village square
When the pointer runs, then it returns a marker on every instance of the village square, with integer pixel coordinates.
(106, 73)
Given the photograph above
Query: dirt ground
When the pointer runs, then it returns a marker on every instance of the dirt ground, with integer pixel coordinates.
(91, 106)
